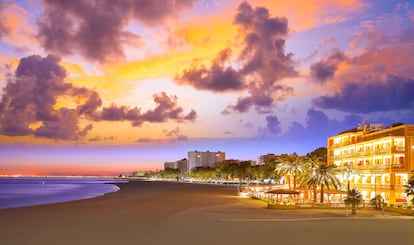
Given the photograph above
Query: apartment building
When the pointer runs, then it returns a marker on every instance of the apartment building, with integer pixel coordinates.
(181, 165)
(264, 159)
(383, 158)
(204, 159)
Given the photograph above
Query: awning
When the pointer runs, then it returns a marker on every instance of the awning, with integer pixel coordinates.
(283, 191)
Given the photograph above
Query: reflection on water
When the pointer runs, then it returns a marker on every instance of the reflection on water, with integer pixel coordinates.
(25, 191)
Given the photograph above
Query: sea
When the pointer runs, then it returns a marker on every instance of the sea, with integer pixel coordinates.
(29, 191)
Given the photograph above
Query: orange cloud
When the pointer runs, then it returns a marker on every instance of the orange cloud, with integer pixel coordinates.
(20, 32)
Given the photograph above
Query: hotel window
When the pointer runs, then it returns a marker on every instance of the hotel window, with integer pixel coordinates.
(353, 139)
(401, 160)
(387, 179)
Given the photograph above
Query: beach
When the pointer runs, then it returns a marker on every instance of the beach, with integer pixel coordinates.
(145, 212)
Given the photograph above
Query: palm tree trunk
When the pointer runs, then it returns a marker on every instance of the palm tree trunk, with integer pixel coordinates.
(290, 187)
(315, 194)
(348, 185)
(353, 208)
(322, 193)
(294, 182)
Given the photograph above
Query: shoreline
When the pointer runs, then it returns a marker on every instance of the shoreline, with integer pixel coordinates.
(149, 212)
(17, 192)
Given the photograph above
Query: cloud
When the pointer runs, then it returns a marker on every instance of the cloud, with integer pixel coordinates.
(30, 104)
(97, 29)
(175, 133)
(395, 93)
(273, 127)
(320, 126)
(215, 78)
(4, 29)
(147, 140)
(257, 69)
(376, 78)
(325, 69)
(167, 109)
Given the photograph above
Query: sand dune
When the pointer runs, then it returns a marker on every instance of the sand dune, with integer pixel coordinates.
(180, 213)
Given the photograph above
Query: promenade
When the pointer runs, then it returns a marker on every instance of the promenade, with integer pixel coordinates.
(182, 213)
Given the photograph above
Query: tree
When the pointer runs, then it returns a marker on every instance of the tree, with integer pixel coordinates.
(291, 165)
(376, 202)
(348, 171)
(354, 198)
(324, 175)
(409, 187)
(320, 152)
(313, 160)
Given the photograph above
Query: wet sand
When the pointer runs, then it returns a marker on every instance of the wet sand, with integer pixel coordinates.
(182, 213)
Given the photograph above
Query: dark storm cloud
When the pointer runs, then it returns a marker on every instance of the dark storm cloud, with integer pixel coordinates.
(325, 69)
(96, 29)
(395, 93)
(262, 63)
(29, 102)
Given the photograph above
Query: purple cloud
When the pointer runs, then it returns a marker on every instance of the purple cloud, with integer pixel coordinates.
(216, 78)
(96, 29)
(395, 93)
(273, 127)
(175, 133)
(4, 30)
(28, 102)
(167, 109)
(325, 69)
(262, 63)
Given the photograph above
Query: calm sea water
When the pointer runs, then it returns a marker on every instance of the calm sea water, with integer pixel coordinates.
(25, 191)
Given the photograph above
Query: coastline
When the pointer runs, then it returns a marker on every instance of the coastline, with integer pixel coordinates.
(145, 212)
(33, 191)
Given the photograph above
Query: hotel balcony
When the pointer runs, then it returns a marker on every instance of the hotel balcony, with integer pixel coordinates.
(381, 167)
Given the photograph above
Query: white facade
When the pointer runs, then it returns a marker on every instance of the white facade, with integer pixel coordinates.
(204, 159)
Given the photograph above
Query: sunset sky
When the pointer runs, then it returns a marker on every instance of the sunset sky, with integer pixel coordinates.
(105, 86)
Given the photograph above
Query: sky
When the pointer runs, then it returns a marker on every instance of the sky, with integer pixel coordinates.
(107, 87)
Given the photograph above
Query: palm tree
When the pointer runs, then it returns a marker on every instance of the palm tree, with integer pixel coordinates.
(324, 175)
(313, 160)
(348, 171)
(409, 187)
(354, 198)
(291, 165)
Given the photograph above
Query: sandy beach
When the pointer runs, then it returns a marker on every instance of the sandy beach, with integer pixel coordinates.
(181, 213)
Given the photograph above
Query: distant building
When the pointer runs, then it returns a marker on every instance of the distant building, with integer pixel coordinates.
(181, 165)
(238, 161)
(204, 159)
(264, 159)
(384, 157)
